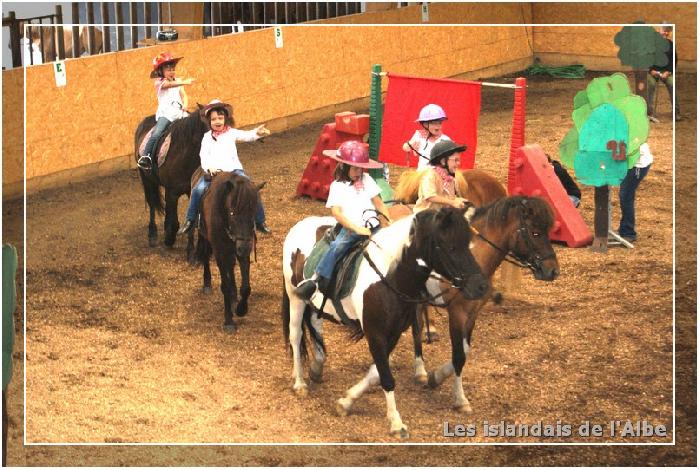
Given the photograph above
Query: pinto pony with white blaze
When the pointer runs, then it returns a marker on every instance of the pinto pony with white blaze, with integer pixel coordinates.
(392, 276)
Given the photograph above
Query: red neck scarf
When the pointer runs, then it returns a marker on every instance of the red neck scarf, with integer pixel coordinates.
(216, 134)
(358, 185)
(447, 179)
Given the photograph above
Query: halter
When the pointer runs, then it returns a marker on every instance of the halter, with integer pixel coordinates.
(235, 239)
(532, 261)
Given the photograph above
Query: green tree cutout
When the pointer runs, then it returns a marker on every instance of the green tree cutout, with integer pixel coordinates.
(641, 47)
(610, 124)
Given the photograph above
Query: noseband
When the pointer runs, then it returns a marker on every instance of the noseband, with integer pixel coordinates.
(236, 239)
(532, 260)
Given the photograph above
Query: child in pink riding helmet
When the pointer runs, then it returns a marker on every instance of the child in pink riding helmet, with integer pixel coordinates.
(351, 194)
(423, 140)
(172, 101)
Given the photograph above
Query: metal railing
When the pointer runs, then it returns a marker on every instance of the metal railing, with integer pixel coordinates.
(47, 40)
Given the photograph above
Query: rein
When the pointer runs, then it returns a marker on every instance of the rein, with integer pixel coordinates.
(521, 261)
(429, 299)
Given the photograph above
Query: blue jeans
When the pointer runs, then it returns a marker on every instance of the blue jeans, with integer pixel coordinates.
(161, 125)
(202, 186)
(339, 247)
(628, 189)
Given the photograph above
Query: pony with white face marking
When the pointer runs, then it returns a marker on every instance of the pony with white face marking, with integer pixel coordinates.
(391, 281)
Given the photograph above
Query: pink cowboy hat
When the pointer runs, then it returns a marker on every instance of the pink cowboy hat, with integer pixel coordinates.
(353, 153)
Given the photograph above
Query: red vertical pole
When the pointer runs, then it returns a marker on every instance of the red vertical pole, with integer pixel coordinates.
(517, 136)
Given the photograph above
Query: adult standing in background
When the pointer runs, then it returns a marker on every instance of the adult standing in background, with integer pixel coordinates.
(664, 74)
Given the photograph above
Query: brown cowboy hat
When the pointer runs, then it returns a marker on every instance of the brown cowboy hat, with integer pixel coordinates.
(218, 104)
(353, 153)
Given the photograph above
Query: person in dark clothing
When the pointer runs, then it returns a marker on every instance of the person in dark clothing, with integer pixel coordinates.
(662, 74)
(567, 182)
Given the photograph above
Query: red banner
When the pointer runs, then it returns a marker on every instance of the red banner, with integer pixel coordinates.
(405, 97)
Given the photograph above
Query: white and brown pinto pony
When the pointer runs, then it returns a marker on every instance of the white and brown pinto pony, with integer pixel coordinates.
(391, 281)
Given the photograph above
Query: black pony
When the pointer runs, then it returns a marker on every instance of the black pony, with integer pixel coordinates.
(227, 229)
(181, 160)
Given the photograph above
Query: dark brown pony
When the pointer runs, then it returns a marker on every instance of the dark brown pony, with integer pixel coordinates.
(514, 227)
(227, 230)
(174, 175)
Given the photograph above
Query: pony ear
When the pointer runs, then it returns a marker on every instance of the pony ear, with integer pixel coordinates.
(261, 185)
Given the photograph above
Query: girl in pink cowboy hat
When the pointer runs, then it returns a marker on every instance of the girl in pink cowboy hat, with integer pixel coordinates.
(423, 140)
(350, 195)
(172, 100)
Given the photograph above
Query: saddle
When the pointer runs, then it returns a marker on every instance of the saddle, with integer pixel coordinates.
(161, 148)
(344, 273)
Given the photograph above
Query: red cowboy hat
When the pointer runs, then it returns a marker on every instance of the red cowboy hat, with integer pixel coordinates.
(353, 153)
(162, 59)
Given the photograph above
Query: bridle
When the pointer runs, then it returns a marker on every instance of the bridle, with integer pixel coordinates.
(532, 260)
(236, 239)
(451, 278)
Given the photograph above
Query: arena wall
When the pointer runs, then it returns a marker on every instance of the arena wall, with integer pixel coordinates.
(86, 128)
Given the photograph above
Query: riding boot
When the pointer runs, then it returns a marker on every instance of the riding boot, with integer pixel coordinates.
(306, 289)
(186, 228)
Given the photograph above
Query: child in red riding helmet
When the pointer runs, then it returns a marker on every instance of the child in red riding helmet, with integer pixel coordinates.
(423, 140)
(172, 101)
(351, 194)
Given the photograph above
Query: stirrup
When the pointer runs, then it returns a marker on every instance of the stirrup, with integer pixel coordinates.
(145, 162)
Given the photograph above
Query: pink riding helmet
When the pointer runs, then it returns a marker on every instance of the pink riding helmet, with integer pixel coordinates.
(353, 153)
(431, 112)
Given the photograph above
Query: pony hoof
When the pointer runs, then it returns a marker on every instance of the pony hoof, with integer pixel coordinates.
(153, 242)
(342, 406)
(301, 390)
(241, 310)
(421, 379)
(463, 408)
(206, 290)
(401, 432)
(432, 380)
(229, 328)
(316, 373)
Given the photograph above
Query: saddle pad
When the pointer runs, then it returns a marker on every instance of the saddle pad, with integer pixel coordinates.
(346, 269)
(162, 150)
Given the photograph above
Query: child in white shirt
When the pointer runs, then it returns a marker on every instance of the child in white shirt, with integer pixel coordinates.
(219, 153)
(351, 194)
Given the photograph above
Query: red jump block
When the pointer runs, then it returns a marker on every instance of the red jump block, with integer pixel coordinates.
(318, 175)
(530, 174)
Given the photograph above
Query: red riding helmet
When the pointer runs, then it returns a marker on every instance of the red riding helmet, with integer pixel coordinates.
(162, 59)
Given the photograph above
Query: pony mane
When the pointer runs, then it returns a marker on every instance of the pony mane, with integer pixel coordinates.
(243, 192)
(390, 241)
(188, 126)
(409, 182)
(407, 189)
(497, 212)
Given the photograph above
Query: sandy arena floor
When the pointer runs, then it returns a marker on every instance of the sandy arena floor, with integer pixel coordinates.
(122, 347)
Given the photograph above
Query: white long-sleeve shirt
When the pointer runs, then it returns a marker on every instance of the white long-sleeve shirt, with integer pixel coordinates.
(222, 154)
